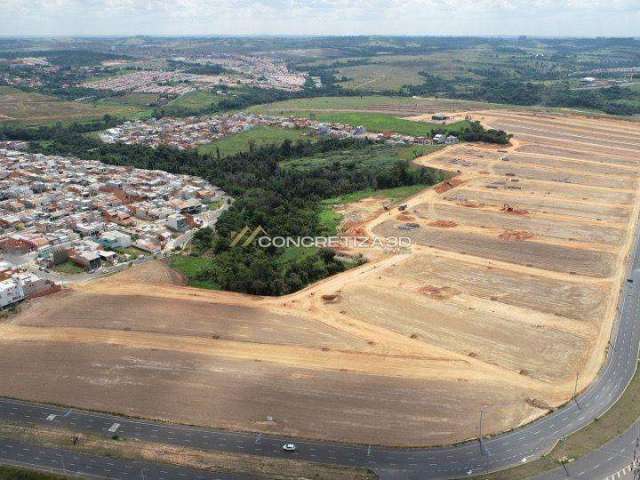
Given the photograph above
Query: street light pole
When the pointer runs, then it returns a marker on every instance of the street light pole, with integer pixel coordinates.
(481, 419)
(575, 389)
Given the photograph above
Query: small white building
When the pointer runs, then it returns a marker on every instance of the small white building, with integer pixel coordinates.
(115, 240)
(451, 140)
(10, 292)
(177, 222)
(439, 138)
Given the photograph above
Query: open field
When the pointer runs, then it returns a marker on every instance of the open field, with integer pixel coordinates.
(509, 289)
(259, 136)
(400, 106)
(16, 105)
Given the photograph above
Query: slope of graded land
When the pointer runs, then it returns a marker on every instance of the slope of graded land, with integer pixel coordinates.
(509, 290)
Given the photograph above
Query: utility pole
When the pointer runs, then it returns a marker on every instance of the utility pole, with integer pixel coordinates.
(481, 419)
(636, 460)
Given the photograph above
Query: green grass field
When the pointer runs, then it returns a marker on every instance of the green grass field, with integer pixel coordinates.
(378, 156)
(191, 267)
(259, 136)
(333, 103)
(380, 77)
(380, 122)
(195, 101)
(34, 108)
(370, 103)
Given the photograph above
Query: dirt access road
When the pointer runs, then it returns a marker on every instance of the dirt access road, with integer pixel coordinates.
(508, 291)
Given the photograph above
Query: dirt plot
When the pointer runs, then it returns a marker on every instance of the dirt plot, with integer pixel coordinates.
(528, 133)
(600, 168)
(531, 253)
(579, 154)
(561, 191)
(468, 328)
(576, 300)
(241, 395)
(572, 177)
(489, 310)
(597, 130)
(182, 317)
(537, 203)
(585, 144)
(540, 226)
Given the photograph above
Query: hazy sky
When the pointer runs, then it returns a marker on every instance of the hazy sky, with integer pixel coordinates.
(314, 17)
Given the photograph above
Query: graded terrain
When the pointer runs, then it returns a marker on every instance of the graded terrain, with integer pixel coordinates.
(508, 291)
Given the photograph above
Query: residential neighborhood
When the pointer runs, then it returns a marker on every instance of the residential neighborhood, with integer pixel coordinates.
(65, 214)
(191, 132)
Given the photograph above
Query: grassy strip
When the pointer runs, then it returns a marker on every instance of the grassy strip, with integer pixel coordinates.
(12, 473)
(121, 447)
(611, 425)
(259, 136)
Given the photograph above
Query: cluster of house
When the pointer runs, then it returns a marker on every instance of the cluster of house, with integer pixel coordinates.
(57, 209)
(257, 71)
(190, 132)
(146, 81)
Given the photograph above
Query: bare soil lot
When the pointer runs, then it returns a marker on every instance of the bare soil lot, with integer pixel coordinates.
(530, 253)
(510, 288)
(539, 225)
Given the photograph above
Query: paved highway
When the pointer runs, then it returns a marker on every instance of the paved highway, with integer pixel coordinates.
(72, 464)
(513, 448)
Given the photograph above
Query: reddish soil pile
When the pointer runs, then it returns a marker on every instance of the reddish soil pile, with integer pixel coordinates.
(439, 293)
(330, 298)
(514, 211)
(443, 224)
(515, 235)
(448, 185)
(403, 217)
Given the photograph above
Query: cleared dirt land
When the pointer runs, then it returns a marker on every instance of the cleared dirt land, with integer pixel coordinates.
(509, 289)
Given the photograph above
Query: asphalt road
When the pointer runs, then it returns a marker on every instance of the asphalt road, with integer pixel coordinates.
(68, 463)
(472, 458)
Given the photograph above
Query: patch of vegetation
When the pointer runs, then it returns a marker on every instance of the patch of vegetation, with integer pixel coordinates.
(249, 140)
(69, 268)
(194, 269)
(193, 103)
(34, 108)
(368, 159)
(13, 473)
(330, 220)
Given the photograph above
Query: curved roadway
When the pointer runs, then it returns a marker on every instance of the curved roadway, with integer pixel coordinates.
(519, 446)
